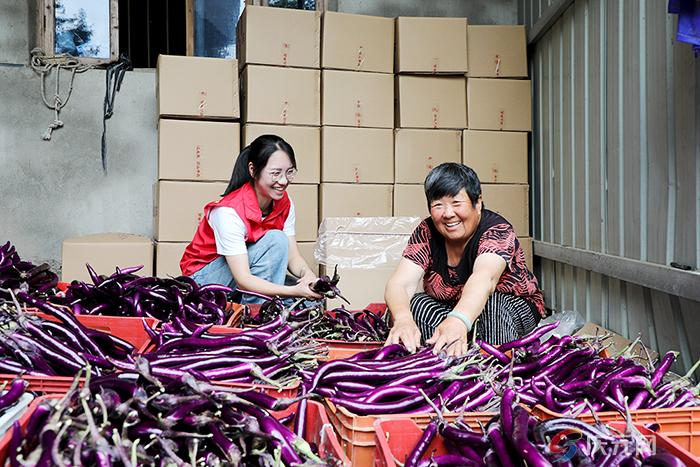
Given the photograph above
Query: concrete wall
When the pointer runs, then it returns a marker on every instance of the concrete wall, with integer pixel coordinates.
(52, 190)
(477, 11)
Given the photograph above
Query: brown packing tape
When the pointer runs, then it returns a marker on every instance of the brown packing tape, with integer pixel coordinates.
(202, 102)
(497, 61)
(436, 116)
(360, 58)
(358, 113)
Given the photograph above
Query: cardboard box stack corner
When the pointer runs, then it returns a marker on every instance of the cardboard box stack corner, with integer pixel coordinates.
(499, 109)
(357, 117)
(198, 142)
(431, 113)
(280, 57)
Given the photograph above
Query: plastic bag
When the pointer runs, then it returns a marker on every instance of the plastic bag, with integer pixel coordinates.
(363, 242)
(569, 322)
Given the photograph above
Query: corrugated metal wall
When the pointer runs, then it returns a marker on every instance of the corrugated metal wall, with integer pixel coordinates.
(615, 160)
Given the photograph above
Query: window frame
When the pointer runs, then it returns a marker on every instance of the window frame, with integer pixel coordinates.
(47, 32)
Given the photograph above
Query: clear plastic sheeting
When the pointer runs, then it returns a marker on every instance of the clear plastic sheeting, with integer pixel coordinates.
(363, 242)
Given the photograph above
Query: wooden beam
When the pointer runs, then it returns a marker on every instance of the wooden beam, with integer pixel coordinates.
(114, 30)
(684, 284)
(547, 19)
(189, 27)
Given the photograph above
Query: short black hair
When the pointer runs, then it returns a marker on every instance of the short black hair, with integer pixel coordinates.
(448, 179)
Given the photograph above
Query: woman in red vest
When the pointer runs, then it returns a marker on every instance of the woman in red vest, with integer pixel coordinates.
(246, 239)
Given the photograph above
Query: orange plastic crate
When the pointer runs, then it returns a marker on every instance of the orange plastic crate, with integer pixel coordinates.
(663, 440)
(23, 420)
(395, 439)
(357, 431)
(682, 425)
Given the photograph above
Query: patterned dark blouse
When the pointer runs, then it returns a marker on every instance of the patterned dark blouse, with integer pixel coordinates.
(499, 239)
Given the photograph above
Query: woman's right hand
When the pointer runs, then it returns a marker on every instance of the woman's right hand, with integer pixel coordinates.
(303, 289)
(405, 331)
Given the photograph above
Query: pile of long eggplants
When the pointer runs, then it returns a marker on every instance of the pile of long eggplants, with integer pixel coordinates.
(389, 380)
(567, 375)
(273, 353)
(32, 345)
(125, 294)
(315, 322)
(137, 418)
(16, 274)
(514, 437)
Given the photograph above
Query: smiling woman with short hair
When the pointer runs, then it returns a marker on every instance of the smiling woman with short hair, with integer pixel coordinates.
(472, 266)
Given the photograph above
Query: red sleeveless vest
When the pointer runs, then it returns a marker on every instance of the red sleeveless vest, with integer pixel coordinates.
(202, 249)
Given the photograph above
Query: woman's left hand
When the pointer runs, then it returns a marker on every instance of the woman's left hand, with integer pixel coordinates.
(450, 335)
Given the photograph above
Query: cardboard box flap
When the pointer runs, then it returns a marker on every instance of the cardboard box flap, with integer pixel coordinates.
(363, 242)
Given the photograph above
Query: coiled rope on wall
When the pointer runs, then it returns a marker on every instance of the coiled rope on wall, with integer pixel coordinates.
(43, 64)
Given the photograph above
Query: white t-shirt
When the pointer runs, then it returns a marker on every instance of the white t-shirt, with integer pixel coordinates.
(230, 231)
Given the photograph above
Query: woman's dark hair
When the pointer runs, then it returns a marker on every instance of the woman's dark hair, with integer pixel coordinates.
(448, 179)
(258, 153)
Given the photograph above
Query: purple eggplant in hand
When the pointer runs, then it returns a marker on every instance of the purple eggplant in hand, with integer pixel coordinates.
(328, 287)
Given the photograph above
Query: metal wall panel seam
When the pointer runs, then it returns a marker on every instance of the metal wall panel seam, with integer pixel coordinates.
(550, 180)
(586, 135)
(624, 315)
(697, 164)
(605, 305)
(535, 214)
(671, 132)
(588, 296)
(654, 341)
(684, 345)
(573, 155)
(560, 174)
(540, 148)
(643, 133)
(603, 130)
(621, 124)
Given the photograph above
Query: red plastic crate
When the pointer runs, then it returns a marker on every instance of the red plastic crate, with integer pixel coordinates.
(124, 327)
(43, 384)
(395, 439)
(23, 420)
(681, 425)
(320, 432)
(357, 431)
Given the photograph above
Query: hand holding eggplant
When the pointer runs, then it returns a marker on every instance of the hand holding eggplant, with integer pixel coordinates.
(304, 289)
(405, 331)
(451, 336)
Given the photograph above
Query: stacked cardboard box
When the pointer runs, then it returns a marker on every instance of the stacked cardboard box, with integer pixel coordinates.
(198, 140)
(431, 61)
(279, 57)
(499, 110)
(357, 146)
